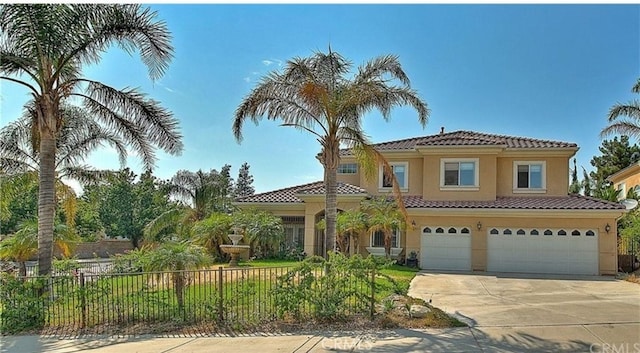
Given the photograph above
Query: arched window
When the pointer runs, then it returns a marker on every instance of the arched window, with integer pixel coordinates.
(465, 231)
(494, 231)
(575, 233)
(562, 232)
(426, 230)
(534, 232)
(548, 232)
(520, 232)
(452, 231)
(589, 233)
(439, 230)
(506, 232)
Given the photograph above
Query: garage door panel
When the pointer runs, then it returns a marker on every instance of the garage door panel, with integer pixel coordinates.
(556, 253)
(445, 252)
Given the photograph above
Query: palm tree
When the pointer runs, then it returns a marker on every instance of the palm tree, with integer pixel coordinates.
(199, 191)
(386, 217)
(78, 137)
(176, 257)
(624, 118)
(352, 224)
(212, 232)
(315, 95)
(44, 48)
(21, 246)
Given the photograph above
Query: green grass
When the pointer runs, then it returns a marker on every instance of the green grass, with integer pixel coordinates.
(400, 276)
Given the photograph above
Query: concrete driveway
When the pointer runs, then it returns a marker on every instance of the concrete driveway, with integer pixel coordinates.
(539, 313)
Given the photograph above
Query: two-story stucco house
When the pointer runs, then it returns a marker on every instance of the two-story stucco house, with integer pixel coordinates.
(475, 201)
(626, 179)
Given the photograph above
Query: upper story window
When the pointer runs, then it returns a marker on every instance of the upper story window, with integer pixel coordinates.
(401, 172)
(347, 168)
(529, 176)
(459, 173)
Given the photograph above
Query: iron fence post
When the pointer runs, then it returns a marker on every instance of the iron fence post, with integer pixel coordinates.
(220, 295)
(83, 302)
(373, 294)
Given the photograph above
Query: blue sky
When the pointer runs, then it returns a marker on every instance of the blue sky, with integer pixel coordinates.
(541, 71)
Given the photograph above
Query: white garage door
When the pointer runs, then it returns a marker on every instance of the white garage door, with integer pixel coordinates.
(445, 248)
(561, 251)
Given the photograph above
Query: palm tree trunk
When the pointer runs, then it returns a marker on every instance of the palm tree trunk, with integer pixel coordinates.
(331, 207)
(22, 269)
(178, 284)
(387, 244)
(46, 201)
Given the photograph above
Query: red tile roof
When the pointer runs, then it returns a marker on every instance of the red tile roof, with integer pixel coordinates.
(289, 195)
(570, 202)
(467, 138)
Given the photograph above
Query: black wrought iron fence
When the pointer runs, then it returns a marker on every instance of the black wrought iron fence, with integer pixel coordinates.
(219, 298)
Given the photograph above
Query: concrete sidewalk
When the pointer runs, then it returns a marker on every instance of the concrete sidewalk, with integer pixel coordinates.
(566, 338)
(431, 340)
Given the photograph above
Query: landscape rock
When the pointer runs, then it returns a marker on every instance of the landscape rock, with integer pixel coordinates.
(419, 311)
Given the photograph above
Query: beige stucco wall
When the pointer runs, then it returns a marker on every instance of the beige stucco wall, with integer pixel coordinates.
(415, 178)
(557, 176)
(486, 176)
(630, 181)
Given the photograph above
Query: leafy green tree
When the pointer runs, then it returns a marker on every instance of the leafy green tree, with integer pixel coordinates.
(616, 155)
(44, 48)
(316, 95)
(624, 118)
(244, 183)
(587, 186)
(19, 195)
(385, 217)
(126, 205)
(575, 186)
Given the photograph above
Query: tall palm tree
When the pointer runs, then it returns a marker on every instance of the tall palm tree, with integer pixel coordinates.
(386, 217)
(315, 95)
(624, 118)
(78, 137)
(45, 47)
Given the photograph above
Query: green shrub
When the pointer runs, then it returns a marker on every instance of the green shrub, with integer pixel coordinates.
(327, 289)
(22, 306)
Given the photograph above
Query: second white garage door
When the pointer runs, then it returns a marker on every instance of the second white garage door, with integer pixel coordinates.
(445, 248)
(560, 251)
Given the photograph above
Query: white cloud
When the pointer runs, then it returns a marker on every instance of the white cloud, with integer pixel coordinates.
(247, 79)
(267, 62)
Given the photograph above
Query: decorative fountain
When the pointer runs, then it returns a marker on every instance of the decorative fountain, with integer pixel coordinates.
(234, 249)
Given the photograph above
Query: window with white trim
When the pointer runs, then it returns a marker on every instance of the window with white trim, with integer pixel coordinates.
(459, 173)
(401, 172)
(529, 176)
(347, 168)
(377, 239)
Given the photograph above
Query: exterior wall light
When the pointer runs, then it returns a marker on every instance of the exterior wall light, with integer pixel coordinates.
(413, 223)
(607, 228)
(479, 225)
